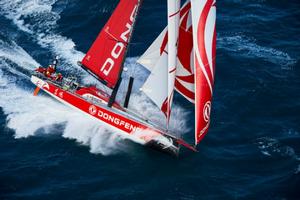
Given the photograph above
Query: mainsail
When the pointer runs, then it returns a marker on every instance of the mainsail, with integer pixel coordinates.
(105, 57)
(204, 37)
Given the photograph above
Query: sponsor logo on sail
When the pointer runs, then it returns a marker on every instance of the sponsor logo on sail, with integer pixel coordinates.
(206, 111)
(119, 46)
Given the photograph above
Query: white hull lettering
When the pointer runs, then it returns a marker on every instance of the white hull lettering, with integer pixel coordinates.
(116, 121)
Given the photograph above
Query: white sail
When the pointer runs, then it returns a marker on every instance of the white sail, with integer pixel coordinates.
(173, 29)
(153, 53)
(184, 81)
(156, 86)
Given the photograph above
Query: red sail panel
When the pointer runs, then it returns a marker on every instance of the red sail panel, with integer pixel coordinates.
(204, 29)
(106, 55)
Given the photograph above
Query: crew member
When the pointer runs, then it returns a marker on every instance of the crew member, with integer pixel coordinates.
(58, 77)
(51, 69)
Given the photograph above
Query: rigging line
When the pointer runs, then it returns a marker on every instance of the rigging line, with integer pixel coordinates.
(108, 33)
(114, 38)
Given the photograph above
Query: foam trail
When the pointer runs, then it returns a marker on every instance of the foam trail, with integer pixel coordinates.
(99, 138)
(41, 24)
(28, 115)
(12, 50)
(273, 147)
(248, 48)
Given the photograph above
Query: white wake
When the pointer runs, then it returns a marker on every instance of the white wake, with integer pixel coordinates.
(39, 20)
(246, 47)
(28, 115)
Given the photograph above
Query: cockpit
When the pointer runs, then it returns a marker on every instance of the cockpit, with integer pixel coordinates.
(70, 83)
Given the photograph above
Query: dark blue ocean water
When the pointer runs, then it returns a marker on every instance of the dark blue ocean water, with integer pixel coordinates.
(252, 151)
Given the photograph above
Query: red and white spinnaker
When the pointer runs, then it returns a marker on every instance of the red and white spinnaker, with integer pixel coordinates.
(204, 37)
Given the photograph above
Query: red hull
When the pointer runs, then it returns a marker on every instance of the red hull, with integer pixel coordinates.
(116, 117)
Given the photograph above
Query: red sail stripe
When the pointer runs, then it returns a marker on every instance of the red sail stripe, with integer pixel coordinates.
(165, 108)
(164, 43)
(189, 78)
(185, 9)
(201, 39)
(184, 90)
(175, 13)
(203, 92)
(185, 42)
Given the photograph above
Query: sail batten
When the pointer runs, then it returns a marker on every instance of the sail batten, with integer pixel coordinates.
(105, 57)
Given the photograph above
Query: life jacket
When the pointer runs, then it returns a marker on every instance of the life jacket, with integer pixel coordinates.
(51, 69)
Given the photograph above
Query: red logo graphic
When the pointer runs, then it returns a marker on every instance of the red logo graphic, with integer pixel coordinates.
(61, 95)
(42, 84)
(206, 111)
(92, 110)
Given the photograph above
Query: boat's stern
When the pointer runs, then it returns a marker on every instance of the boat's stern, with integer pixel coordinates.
(39, 82)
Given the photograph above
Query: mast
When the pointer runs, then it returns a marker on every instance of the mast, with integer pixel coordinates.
(116, 88)
(173, 30)
(129, 89)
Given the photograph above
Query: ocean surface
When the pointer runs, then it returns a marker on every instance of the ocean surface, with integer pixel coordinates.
(252, 151)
